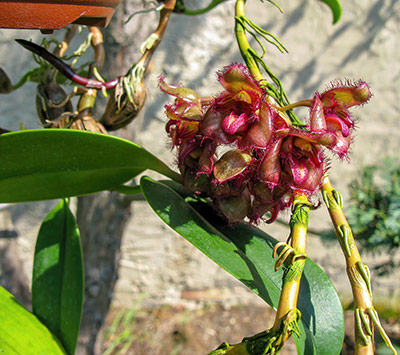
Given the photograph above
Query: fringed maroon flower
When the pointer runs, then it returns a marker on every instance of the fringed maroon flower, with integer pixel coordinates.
(240, 150)
(239, 114)
(185, 115)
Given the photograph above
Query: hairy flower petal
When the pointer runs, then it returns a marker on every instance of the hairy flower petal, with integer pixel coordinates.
(180, 92)
(236, 78)
(346, 95)
(196, 183)
(341, 145)
(206, 159)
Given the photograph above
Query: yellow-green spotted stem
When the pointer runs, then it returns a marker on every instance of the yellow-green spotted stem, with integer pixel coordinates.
(365, 315)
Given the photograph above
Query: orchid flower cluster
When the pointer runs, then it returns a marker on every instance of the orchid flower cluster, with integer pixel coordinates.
(240, 149)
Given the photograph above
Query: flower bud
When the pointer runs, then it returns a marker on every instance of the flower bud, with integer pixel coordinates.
(120, 111)
(51, 102)
(235, 208)
(196, 183)
(231, 164)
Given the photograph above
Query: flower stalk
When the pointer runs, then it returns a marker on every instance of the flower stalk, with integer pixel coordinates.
(287, 315)
(365, 314)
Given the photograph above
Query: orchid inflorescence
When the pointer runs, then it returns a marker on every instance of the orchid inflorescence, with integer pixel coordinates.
(265, 158)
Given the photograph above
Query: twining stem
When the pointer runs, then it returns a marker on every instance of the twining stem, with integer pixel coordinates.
(63, 46)
(98, 46)
(88, 99)
(366, 316)
(157, 35)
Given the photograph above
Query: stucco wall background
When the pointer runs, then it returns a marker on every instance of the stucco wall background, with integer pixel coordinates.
(160, 264)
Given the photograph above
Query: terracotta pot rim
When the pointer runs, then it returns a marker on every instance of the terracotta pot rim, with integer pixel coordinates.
(110, 3)
(55, 14)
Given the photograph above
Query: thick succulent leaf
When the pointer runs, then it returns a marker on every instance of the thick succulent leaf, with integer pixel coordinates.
(246, 253)
(54, 163)
(335, 8)
(57, 281)
(21, 332)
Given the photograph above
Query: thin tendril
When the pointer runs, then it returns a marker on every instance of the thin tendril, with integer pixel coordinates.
(265, 34)
(145, 11)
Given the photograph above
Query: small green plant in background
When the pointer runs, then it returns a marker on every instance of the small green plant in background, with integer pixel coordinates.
(122, 332)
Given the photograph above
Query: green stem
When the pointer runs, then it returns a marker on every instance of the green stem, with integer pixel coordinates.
(213, 4)
(358, 274)
(243, 43)
(304, 103)
(253, 62)
(166, 171)
(287, 315)
(291, 280)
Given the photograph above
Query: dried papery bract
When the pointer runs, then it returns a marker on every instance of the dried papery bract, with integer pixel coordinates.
(82, 122)
(88, 123)
(121, 109)
(51, 102)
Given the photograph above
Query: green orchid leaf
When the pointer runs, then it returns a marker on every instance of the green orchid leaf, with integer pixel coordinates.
(57, 280)
(55, 163)
(335, 8)
(246, 253)
(21, 332)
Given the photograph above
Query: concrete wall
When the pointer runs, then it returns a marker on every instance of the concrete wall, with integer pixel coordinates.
(364, 44)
